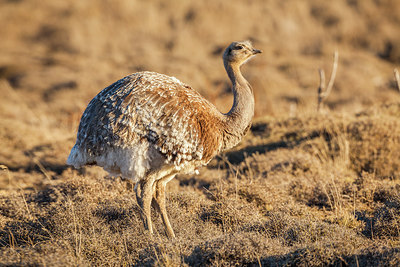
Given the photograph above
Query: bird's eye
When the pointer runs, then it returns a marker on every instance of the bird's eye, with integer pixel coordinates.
(238, 47)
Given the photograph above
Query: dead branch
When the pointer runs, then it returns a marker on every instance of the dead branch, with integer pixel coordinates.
(397, 78)
(322, 93)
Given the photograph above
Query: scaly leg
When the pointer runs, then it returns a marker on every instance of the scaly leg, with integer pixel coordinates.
(144, 194)
(159, 197)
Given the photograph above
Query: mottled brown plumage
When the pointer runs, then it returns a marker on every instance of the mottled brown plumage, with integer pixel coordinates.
(149, 126)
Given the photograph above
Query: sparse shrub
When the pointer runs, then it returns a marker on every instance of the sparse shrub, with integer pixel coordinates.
(386, 220)
(231, 215)
(375, 145)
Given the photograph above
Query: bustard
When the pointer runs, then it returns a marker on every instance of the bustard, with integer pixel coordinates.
(148, 127)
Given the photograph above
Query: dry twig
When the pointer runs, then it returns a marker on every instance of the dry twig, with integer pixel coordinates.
(397, 78)
(322, 92)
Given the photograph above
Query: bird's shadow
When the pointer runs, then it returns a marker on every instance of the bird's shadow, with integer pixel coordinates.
(236, 157)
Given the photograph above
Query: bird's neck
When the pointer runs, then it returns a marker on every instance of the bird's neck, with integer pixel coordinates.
(238, 119)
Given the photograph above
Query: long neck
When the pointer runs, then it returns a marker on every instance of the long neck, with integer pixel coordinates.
(238, 119)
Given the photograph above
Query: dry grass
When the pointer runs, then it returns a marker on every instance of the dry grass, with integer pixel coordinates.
(301, 189)
(304, 201)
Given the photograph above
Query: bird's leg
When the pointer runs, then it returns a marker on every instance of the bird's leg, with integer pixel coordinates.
(144, 194)
(159, 197)
(138, 192)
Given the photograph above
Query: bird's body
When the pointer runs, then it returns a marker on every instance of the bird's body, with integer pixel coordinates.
(144, 122)
(148, 127)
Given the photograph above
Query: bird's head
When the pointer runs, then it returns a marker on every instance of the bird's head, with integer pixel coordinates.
(239, 52)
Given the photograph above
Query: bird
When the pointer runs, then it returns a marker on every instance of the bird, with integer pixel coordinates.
(148, 127)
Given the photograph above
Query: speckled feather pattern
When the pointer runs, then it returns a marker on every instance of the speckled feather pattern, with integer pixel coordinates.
(145, 119)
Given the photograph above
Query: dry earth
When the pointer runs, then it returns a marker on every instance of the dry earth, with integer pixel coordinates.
(303, 188)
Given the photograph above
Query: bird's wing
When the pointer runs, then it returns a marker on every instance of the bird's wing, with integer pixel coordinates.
(169, 114)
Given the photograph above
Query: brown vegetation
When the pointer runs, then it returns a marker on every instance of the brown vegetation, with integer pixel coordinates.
(301, 189)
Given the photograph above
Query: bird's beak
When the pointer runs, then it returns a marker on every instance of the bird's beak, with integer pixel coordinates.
(256, 51)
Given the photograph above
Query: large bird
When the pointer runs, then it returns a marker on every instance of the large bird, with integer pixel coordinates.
(148, 127)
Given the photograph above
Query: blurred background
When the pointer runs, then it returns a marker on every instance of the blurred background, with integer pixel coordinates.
(302, 188)
(55, 56)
